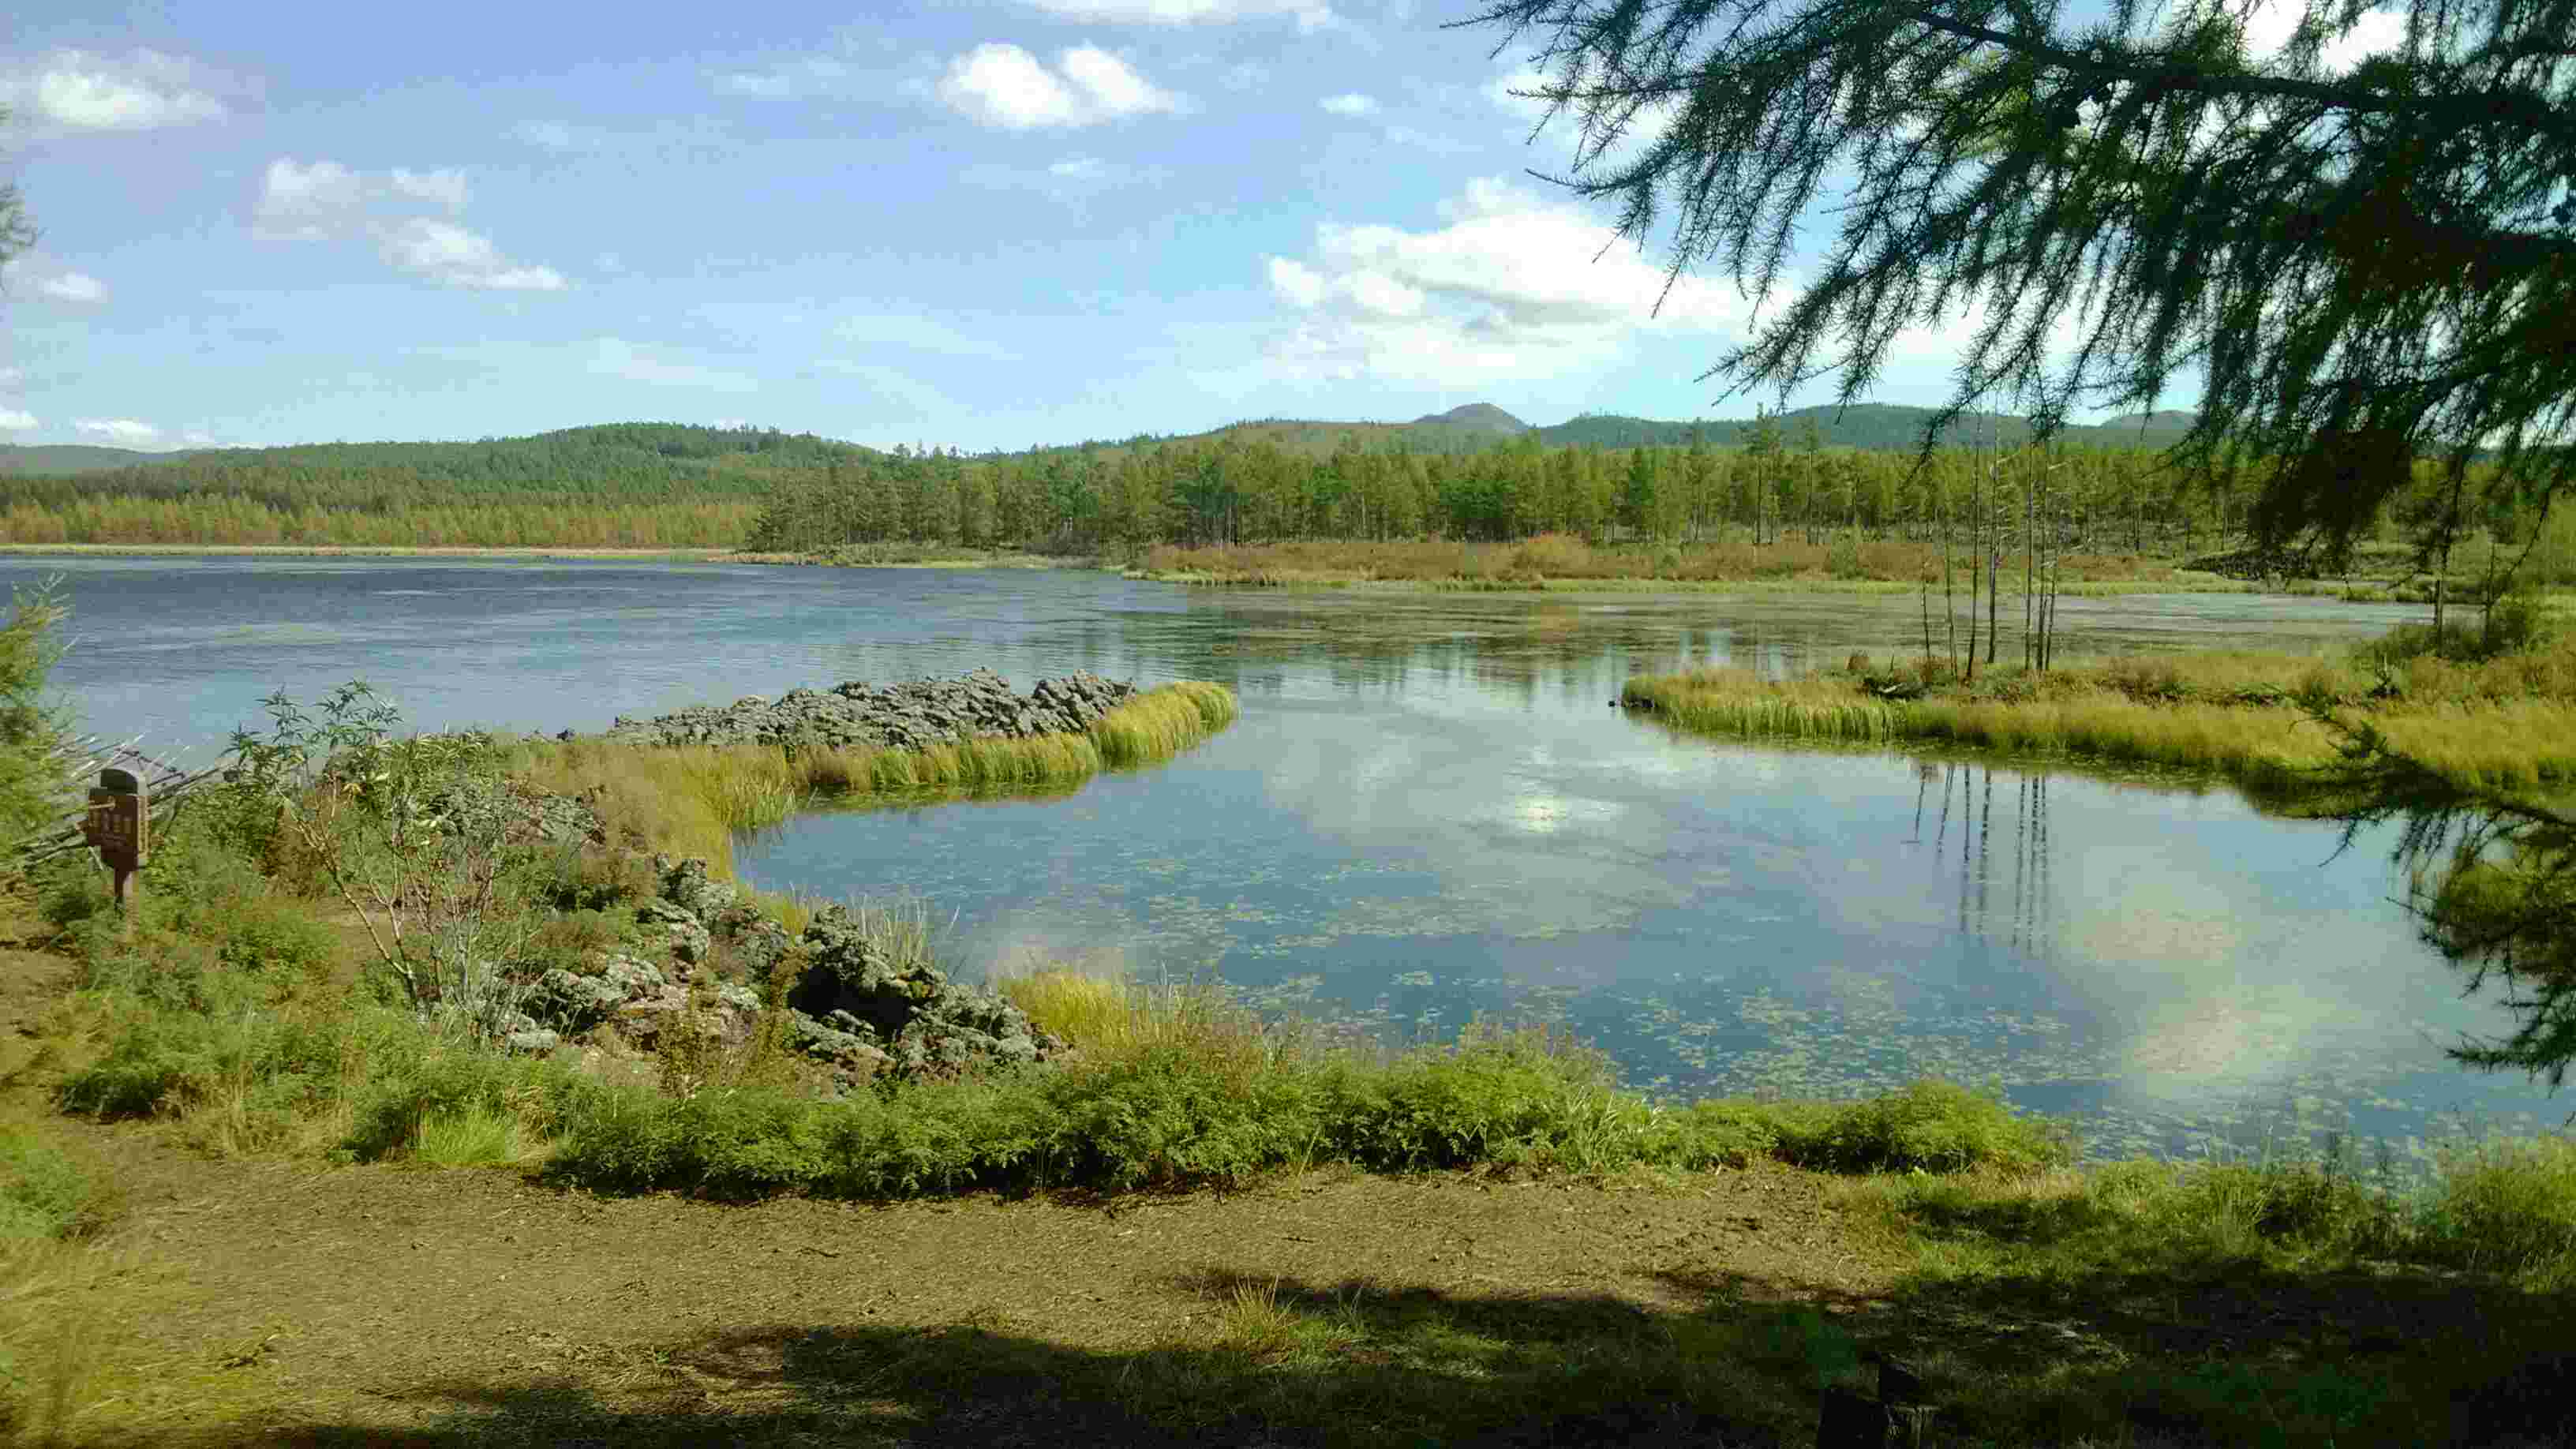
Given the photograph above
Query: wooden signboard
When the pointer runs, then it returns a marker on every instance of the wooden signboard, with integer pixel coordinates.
(119, 824)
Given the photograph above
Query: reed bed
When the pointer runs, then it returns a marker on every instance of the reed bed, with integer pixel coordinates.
(2507, 722)
(1563, 560)
(694, 799)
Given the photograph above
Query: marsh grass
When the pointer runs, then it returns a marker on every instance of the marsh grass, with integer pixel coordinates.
(2507, 721)
(1563, 560)
(694, 799)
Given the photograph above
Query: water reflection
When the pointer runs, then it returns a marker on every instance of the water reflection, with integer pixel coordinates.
(1428, 811)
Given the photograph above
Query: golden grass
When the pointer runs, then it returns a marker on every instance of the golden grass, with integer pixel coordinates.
(693, 799)
(1111, 1018)
(1554, 560)
(2505, 723)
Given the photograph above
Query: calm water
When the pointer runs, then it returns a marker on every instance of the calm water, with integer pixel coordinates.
(1428, 812)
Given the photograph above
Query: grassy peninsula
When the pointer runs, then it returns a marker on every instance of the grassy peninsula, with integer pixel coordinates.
(241, 1142)
(2483, 710)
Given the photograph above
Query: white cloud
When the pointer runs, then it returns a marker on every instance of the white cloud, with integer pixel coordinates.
(2269, 25)
(1500, 90)
(1302, 286)
(547, 135)
(448, 254)
(12, 377)
(1510, 286)
(70, 91)
(1309, 14)
(1348, 105)
(125, 432)
(42, 278)
(446, 188)
(73, 287)
(12, 420)
(1003, 85)
(326, 201)
(197, 440)
(617, 357)
(730, 424)
(1071, 180)
(750, 83)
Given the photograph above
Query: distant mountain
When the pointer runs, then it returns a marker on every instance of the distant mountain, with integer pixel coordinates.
(1474, 418)
(63, 458)
(630, 462)
(2171, 420)
(1869, 427)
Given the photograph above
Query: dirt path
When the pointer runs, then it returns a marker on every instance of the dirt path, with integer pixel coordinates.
(362, 1302)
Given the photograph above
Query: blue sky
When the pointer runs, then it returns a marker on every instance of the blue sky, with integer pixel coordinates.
(975, 225)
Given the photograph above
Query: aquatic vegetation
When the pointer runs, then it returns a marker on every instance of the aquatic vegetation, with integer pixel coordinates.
(693, 799)
(1564, 560)
(2507, 721)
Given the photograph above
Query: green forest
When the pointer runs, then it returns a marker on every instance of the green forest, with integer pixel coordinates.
(668, 485)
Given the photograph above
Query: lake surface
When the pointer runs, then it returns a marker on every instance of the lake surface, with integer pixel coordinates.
(1428, 812)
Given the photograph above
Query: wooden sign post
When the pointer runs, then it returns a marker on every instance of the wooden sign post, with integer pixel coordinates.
(119, 823)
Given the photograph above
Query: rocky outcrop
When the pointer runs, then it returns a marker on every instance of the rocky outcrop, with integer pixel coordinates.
(850, 1008)
(910, 716)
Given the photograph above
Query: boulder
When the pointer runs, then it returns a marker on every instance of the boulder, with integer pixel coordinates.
(690, 940)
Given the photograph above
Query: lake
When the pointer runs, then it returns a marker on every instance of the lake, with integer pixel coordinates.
(1428, 813)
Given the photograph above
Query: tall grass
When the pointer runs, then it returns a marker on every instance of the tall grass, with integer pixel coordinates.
(1564, 557)
(2505, 722)
(693, 799)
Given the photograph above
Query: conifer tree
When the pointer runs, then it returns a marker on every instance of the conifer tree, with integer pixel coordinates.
(2369, 262)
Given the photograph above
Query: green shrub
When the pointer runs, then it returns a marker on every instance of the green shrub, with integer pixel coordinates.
(70, 889)
(1936, 1126)
(418, 1077)
(574, 879)
(273, 937)
(43, 1194)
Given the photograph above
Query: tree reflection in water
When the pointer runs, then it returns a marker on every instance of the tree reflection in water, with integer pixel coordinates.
(2491, 881)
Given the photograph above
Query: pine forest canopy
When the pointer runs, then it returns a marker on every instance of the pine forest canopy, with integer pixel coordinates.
(2370, 267)
(671, 485)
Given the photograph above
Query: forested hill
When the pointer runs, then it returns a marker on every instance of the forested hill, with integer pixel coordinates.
(1870, 427)
(69, 458)
(637, 463)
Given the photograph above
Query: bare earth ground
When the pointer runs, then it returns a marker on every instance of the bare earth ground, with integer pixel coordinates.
(273, 1302)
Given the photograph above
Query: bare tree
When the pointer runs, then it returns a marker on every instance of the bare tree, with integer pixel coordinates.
(2368, 265)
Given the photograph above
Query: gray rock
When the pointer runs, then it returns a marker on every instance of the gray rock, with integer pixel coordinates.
(689, 938)
(910, 716)
(570, 1002)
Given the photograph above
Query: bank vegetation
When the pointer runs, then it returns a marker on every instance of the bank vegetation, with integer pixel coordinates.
(248, 1010)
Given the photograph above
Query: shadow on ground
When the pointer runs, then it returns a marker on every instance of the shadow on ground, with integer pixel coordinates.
(2342, 1359)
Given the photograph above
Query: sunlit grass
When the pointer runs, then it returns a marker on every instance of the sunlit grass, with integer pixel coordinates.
(1563, 561)
(694, 799)
(2507, 722)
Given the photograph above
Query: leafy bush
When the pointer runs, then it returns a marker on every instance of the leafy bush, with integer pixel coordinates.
(414, 835)
(1168, 1115)
(273, 937)
(43, 1194)
(33, 732)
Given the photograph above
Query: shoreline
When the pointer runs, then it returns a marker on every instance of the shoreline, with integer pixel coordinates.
(1632, 584)
(359, 550)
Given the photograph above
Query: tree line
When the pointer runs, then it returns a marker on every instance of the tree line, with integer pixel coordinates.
(1773, 485)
